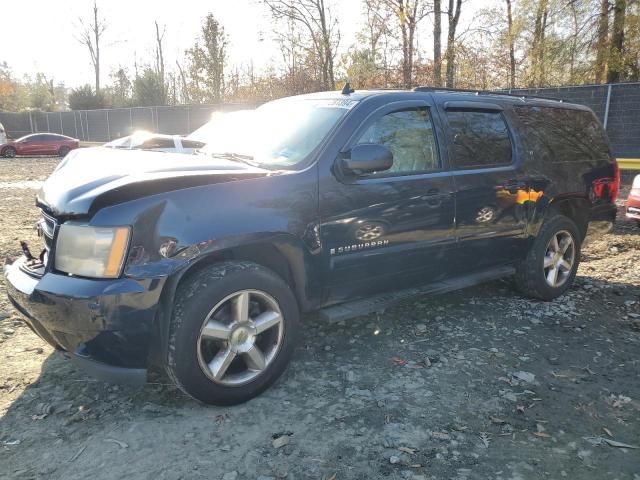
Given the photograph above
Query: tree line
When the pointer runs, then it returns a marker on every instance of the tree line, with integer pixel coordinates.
(402, 43)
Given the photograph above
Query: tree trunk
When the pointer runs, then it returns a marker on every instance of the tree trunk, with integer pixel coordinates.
(536, 56)
(96, 31)
(617, 42)
(454, 17)
(437, 43)
(602, 42)
(512, 54)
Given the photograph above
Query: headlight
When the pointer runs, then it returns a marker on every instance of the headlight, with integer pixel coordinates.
(91, 251)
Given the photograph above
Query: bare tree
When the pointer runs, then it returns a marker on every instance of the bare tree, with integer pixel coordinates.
(617, 42)
(512, 49)
(324, 34)
(90, 36)
(454, 17)
(408, 14)
(160, 57)
(437, 43)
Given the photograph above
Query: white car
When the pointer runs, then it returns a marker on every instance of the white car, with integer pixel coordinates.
(3, 135)
(223, 125)
(156, 142)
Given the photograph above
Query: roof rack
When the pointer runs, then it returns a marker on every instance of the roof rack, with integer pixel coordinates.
(483, 92)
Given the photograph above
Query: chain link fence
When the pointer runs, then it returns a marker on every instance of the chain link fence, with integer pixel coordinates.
(617, 106)
(108, 124)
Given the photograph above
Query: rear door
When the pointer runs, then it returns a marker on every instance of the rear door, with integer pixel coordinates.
(491, 186)
(391, 229)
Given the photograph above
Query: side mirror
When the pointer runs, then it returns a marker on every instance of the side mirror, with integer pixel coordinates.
(367, 158)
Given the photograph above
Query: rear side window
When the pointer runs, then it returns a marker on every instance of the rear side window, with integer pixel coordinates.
(408, 133)
(192, 144)
(480, 139)
(562, 135)
(157, 143)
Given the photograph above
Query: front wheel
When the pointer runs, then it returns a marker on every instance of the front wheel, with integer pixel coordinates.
(552, 262)
(9, 152)
(232, 334)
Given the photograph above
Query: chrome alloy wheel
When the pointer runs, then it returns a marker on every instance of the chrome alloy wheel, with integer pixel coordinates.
(240, 337)
(559, 258)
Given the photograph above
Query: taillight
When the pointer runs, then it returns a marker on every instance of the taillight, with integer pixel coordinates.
(614, 186)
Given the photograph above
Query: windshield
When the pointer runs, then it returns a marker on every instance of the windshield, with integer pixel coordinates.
(278, 134)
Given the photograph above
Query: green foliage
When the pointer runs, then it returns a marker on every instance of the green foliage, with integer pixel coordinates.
(207, 59)
(148, 89)
(85, 98)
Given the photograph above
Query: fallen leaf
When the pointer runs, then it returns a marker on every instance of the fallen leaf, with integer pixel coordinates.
(613, 443)
(607, 431)
(497, 420)
(520, 408)
(408, 450)
(399, 361)
(332, 477)
(542, 434)
(117, 442)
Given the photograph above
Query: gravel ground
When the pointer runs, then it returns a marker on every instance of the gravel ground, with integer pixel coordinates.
(475, 384)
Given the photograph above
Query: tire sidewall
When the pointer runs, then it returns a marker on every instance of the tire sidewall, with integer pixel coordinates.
(63, 151)
(553, 226)
(7, 150)
(194, 300)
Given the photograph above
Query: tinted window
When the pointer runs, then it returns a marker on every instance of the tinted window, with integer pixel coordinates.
(192, 144)
(157, 143)
(480, 139)
(409, 135)
(563, 135)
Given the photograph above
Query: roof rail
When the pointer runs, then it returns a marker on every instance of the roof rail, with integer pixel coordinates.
(483, 92)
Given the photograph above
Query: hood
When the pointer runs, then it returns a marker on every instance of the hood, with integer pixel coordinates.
(91, 178)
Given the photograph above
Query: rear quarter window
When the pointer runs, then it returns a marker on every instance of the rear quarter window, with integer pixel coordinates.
(560, 135)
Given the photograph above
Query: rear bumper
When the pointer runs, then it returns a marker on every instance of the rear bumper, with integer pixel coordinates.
(601, 221)
(104, 326)
(633, 211)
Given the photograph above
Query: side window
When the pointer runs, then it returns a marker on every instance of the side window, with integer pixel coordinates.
(480, 139)
(563, 135)
(408, 133)
(192, 144)
(157, 143)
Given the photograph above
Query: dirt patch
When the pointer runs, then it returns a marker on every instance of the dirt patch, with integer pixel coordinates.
(476, 384)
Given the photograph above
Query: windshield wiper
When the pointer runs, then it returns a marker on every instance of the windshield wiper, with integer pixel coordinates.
(238, 157)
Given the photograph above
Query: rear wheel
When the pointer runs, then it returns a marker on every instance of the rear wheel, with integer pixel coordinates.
(8, 152)
(232, 333)
(552, 262)
(62, 151)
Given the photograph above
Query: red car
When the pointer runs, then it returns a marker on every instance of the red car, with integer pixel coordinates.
(633, 201)
(39, 144)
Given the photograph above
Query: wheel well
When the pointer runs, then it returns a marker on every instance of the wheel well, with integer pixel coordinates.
(577, 209)
(265, 255)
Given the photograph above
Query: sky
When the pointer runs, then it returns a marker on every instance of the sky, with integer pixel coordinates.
(41, 35)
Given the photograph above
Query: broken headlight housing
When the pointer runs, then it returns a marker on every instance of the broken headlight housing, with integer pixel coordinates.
(87, 251)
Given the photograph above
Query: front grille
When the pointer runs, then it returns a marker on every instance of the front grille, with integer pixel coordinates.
(47, 227)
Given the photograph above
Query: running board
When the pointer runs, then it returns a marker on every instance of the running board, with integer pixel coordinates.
(382, 301)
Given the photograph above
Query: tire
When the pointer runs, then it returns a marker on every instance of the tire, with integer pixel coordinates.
(62, 151)
(532, 275)
(9, 152)
(211, 298)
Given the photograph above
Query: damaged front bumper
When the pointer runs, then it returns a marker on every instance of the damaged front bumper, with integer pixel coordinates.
(104, 326)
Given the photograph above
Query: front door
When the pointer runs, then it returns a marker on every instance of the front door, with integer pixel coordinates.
(390, 229)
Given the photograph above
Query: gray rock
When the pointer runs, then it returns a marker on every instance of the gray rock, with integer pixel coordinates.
(350, 376)
(280, 441)
(525, 376)
(393, 459)
(230, 475)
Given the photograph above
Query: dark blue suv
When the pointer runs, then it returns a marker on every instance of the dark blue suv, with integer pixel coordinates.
(343, 203)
